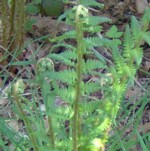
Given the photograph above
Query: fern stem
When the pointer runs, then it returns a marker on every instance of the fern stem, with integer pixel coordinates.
(50, 121)
(51, 132)
(12, 17)
(29, 129)
(80, 48)
(5, 15)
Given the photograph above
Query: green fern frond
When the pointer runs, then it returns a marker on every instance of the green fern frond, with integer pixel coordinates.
(62, 59)
(104, 125)
(63, 112)
(67, 35)
(128, 44)
(64, 45)
(93, 29)
(137, 54)
(118, 60)
(66, 94)
(65, 57)
(146, 36)
(135, 29)
(146, 18)
(91, 87)
(92, 64)
(96, 20)
(118, 89)
(69, 54)
(96, 42)
(66, 76)
(129, 70)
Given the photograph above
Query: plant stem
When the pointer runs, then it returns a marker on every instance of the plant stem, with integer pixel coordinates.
(80, 48)
(12, 17)
(44, 86)
(29, 129)
(51, 132)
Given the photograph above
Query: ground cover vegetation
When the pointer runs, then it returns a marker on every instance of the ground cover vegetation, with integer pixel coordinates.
(73, 97)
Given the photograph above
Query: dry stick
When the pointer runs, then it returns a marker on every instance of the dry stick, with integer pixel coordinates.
(80, 49)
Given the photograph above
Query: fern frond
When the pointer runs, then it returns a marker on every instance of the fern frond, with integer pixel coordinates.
(135, 29)
(146, 36)
(96, 20)
(91, 87)
(66, 76)
(118, 60)
(92, 64)
(96, 42)
(104, 125)
(69, 54)
(128, 44)
(118, 89)
(66, 57)
(129, 70)
(67, 35)
(137, 54)
(93, 29)
(64, 45)
(91, 106)
(63, 112)
(146, 18)
(66, 94)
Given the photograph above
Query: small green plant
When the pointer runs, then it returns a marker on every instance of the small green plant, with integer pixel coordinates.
(82, 120)
(91, 117)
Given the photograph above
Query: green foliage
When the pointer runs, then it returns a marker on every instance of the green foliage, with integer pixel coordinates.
(98, 113)
(112, 33)
(133, 118)
(91, 3)
(45, 7)
(76, 118)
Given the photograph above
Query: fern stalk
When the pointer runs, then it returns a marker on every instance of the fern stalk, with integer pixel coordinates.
(17, 99)
(50, 122)
(80, 48)
(51, 132)
(4, 8)
(12, 17)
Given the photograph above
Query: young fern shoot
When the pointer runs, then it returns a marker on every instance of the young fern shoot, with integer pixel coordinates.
(79, 17)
